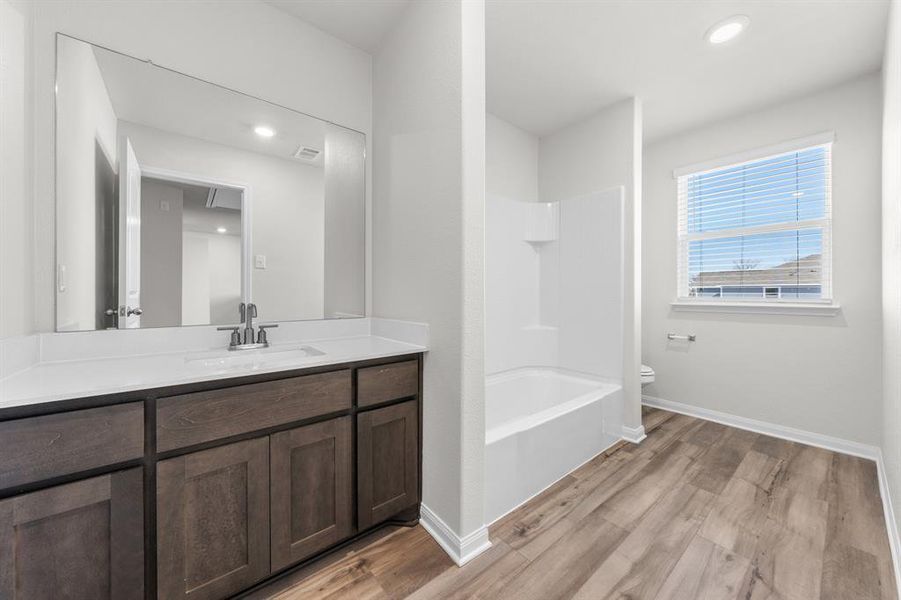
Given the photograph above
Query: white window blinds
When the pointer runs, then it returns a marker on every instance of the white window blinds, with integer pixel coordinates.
(758, 230)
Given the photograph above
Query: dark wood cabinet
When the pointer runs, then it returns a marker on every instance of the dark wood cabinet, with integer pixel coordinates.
(213, 521)
(39, 448)
(387, 462)
(311, 490)
(82, 540)
(199, 417)
(202, 491)
(384, 383)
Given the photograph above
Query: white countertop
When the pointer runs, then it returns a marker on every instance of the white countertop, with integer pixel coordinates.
(67, 379)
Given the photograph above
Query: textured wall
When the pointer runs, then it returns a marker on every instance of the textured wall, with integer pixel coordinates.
(819, 374)
(428, 216)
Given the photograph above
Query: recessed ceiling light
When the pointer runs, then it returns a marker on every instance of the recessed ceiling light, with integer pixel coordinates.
(727, 30)
(263, 131)
(221, 230)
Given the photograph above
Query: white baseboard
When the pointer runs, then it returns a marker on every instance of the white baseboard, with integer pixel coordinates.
(809, 438)
(780, 431)
(634, 434)
(891, 525)
(461, 550)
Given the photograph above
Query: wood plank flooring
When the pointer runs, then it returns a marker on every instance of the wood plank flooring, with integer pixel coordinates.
(699, 510)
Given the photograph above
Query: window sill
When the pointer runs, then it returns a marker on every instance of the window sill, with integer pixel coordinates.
(813, 309)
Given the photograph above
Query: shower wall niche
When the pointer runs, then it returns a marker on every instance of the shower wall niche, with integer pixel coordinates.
(555, 284)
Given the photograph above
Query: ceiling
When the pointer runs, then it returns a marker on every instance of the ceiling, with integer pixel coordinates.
(197, 217)
(361, 23)
(550, 64)
(148, 95)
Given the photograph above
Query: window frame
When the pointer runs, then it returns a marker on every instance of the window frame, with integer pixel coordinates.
(825, 305)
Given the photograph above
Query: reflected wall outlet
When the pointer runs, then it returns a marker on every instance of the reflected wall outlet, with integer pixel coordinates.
(259, 261)
(61, 278)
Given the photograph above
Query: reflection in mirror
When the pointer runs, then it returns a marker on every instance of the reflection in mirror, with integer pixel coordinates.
(178, 199)
(190, 253)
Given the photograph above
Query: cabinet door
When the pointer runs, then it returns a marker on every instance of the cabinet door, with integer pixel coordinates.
(213, 521)
(82, 540)
(387, 462)
(310, 489)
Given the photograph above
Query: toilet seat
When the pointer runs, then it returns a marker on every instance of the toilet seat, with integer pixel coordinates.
(647, 374)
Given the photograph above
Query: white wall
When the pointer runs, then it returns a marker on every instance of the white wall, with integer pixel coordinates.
(428, 215)
(85, 119)
(195, 278)
(16, 186)
(344, 190)
(586, 267)
(511, 162)
(225, 277)
(578, 326)
(161, 254)
(16, 291)
(513, 335)
(248, 46)
(288, 212)
(891, 257)
(211, 278)
(819, 374)
(598, 153)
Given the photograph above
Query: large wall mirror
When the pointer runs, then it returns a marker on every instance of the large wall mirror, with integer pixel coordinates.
(178, 199)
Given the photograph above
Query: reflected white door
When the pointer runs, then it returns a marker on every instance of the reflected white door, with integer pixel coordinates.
(129, 238)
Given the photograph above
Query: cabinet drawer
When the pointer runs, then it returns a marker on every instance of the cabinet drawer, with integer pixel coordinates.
(387, 382)
(40, 448)
(206, 416)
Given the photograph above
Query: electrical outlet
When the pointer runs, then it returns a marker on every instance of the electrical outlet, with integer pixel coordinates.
(259, 261)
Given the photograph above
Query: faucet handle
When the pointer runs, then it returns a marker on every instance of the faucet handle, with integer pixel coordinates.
(261, 337)
(235, 338)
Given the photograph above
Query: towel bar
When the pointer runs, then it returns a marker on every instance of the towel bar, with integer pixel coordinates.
(686, 338)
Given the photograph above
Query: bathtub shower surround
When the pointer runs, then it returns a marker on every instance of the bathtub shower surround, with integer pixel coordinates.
(554, 340)
(541, 423)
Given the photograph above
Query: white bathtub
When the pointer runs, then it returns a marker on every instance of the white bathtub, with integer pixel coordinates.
(542, 423)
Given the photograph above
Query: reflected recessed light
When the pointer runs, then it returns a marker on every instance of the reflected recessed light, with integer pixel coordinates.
(221, 230)
(263, 131)
(727, 30)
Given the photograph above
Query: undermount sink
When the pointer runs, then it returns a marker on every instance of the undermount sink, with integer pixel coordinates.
(300, 351)
(251, 359)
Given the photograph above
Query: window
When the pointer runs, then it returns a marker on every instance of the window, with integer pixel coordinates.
(758, 230)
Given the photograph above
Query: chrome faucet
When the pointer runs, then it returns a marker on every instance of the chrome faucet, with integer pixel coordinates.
(247, 312)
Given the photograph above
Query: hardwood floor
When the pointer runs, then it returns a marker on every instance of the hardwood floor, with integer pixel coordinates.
(698, 510)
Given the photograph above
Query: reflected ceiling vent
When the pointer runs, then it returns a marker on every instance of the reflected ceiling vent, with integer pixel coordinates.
(224, 198)
(306, 153)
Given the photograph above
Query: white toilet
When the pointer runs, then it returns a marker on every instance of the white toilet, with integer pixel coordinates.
(647, 375)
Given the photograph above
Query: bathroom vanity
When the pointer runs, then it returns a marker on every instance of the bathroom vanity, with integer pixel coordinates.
(140, 458)
(204, 490)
